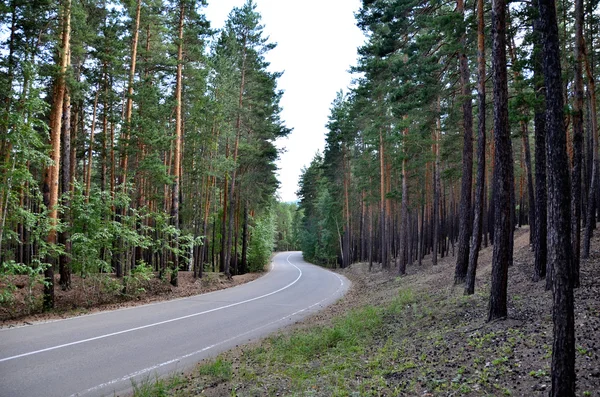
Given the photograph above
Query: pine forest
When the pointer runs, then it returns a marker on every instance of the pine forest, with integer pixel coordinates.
(138, 142)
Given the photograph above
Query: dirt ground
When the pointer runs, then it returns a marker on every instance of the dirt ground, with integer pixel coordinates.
(104, 292)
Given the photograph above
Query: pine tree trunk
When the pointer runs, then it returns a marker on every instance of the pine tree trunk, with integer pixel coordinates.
(503, 169)
(530, 187)
(244, 266)
(404, 225)
(178, 143)
(481, 138)
(592, 194)
(577, 141)
(347, 227)
(88, 174)
(382, 237)
(64, 238)
(541, 221)
(465, 220)
(559, 210)
(436, 188)
(51, 173)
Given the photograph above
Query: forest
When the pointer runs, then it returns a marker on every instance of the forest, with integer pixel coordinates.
(135, 138)
(467, 120)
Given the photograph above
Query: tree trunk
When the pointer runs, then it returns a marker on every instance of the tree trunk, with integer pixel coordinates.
(577, 141)
(592, 202)
(503, 169)
(51, 173)
(244, 265)
(178, 143)
(530, 187)
(382, 237)
(88, 174)
(541, 221)
(404, 225)
(436, 187)
(481, 138)
(559, 210)
(465, 225)
(129, 103)
(64, 238)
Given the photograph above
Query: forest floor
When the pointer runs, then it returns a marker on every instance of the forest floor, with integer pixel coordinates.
(102, 292)
(416, 335)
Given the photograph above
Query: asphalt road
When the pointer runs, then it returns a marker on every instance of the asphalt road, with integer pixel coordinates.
(102, 354)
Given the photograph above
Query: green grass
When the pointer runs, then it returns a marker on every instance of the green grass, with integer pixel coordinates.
(218, 370)
(393, 349)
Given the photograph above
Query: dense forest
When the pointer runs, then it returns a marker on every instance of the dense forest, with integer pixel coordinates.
(431, 152)
(134, 138)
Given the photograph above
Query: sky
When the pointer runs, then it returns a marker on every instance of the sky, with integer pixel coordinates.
(316, 45)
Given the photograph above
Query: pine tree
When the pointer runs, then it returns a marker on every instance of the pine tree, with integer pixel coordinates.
(559, 210)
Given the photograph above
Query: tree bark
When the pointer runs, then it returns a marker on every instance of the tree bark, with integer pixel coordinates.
(465, 225)
(435, 219)
(559, 210)
(178, 143)
(577, 141)
(481, 138)
(404, 225)
(51, 173)
(88, 174)
(592, 194)
(382, 237)
(541, 222)
(64, 238)
(503, 169)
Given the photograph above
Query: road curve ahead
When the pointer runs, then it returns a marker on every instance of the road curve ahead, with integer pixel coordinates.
(102, 354)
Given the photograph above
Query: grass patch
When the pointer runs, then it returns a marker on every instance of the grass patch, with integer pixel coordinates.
(218, 370)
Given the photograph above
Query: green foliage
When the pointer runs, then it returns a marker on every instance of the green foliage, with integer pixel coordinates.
(288, 219)
(262, 242)
(322, 222)
(218, 370)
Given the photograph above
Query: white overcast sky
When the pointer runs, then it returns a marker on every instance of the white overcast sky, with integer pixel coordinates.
(316, 45)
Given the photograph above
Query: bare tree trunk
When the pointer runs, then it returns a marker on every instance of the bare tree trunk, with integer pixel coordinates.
(436, 187)
(129, 103)
(347, 230)
(481, 138)
(530, 187)
(244, 265)
(404, 225)
(540, 243)
(465, 220)
(592, 202)
(559, 211)
(577, 141)
(51, 173)
(64, 238)
(503, 169)
(88, 174)
(178, 144)
(382, 237)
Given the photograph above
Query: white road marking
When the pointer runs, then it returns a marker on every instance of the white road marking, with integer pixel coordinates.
(157, 323)
(145, 370)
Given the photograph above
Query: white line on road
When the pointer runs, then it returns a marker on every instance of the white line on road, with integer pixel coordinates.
(157, 323)
(145, 370)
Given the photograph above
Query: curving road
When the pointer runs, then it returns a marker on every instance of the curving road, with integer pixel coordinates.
(102, 354)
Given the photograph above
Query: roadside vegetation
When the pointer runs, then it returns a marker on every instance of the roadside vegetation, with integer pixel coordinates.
(417, 335)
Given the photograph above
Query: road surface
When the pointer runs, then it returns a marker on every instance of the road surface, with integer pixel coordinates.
(103, 354)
